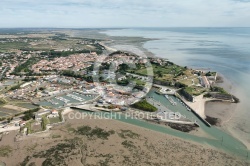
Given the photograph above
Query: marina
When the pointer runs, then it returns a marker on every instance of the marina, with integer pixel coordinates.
(67, 99)
(171, 100)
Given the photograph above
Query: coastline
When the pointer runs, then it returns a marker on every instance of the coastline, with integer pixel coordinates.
(226, 84)
(224, 112)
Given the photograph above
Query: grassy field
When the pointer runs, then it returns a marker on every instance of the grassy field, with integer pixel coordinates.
(8, 111)
(163, 73)
(12, 45)
(26, 105)
(138, 82)
(54, 120)
(36, 127)
(193, 90)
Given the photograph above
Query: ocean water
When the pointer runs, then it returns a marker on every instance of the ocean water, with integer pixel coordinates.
(225, 50)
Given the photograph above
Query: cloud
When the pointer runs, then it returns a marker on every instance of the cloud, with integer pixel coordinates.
(123, 13)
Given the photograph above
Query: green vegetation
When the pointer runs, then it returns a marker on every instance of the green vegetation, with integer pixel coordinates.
(195, 91)
(145, 106)
(7, 46)
(25, 67)
(60, 116)
(104, 66)
(162, 72)
(5, 150)
(28, 126)
(208, 95)
(70, 73)
(29, 114)
(128, 144)
(2, 101)
(210, 73)
(44, 123)
(29, 106)
(55, 54)
(54, 120)
(218, 89)
(124, 82)
(54, 136)
(128, 134)
(15, 87)
(56, 155)
(32, 147)
(25, 161)
(180, 85)
(122, 68)
(93, 133)
(168, 74)
(28, 79)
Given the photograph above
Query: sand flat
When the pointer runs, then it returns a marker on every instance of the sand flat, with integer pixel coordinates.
(140, 147)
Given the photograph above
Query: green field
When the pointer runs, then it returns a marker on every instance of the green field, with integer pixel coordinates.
(12, 45)
(163, 73)
(54, 120)
(193, 90)
(26, 105)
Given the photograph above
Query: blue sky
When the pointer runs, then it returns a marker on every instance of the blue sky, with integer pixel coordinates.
(124, 13)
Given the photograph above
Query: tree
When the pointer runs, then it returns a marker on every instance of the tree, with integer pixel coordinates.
(44, 123)
(89, 79)
(60, 116)
(159, 74)
(123, 67)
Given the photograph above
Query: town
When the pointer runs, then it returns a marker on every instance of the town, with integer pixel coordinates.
(38, 83)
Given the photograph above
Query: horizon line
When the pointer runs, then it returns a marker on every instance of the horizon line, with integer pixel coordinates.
(121, 27)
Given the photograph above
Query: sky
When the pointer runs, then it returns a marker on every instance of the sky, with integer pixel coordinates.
(124, 13)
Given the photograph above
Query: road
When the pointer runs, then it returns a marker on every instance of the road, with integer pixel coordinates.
(1, 76)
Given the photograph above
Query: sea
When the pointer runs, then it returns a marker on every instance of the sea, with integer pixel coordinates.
(225, 50)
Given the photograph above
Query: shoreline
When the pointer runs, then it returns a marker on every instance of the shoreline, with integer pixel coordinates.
(225, 111)
(229, 87)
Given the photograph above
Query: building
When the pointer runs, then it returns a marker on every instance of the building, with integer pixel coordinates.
(204, 82)
(54, 112)
(38, 115)
(120, 77)
(22, 123)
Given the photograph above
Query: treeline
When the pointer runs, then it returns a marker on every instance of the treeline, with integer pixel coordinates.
(56, 54)
(145, 106)
(29, 114)
(69, 73)
(15, 87)
(24, 67)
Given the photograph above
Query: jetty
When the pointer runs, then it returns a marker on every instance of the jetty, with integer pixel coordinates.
(84, 108)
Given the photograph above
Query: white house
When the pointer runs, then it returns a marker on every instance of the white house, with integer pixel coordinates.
(54, 114)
